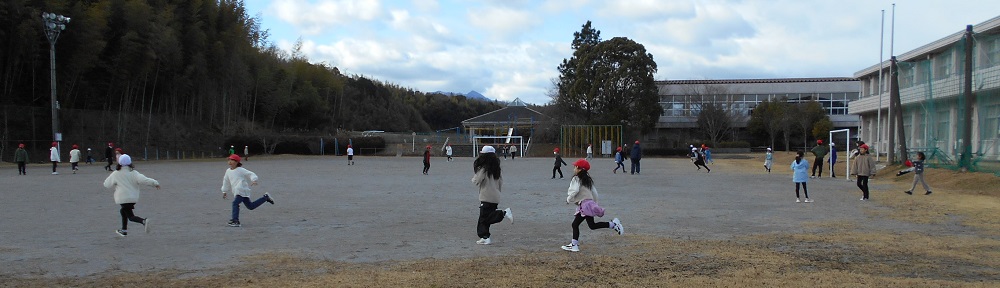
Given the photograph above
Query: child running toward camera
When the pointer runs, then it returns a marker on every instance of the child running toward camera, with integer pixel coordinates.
(583, 193)
(238, 181)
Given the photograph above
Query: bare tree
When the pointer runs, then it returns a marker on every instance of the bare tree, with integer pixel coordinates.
(719, 114)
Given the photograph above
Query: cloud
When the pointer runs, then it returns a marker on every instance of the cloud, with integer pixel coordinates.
(315, 18)
(502, 22)
(647, 9)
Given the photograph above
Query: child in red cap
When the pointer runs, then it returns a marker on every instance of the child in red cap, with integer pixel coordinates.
(583, 193)
(619, 161)
(54, 157)
(238, 181)
(350, 155)
(558, 165)
(74, 157)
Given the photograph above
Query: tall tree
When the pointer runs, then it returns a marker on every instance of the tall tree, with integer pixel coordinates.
(767, 119)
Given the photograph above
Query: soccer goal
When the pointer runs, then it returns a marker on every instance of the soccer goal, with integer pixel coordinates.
(846, 149)
(497, 142)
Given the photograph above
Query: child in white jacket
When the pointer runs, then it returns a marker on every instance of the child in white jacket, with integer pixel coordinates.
(238, 181)
(583, 193)
(126, 184)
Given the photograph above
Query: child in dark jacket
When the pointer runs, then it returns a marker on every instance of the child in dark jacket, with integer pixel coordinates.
(558, 165)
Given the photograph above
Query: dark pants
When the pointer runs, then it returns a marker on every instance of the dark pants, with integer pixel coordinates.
(21, 168)
(863, 184)
(54, 165)
(818, 162)
(833, 170)
(110, 160)
(590, 223)
(74, 165)
(557, 169)
(635, 166)
(619, 165)
(488, 215)
(127, 215)
(804, 189)
(427, 167)
(237, 199)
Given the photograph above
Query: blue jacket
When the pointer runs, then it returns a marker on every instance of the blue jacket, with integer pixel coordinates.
(636, 152)
(618, 157)
(801, 171)
(833, 154)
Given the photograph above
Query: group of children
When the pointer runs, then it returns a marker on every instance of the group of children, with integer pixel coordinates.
(581, 193)
(863, 168)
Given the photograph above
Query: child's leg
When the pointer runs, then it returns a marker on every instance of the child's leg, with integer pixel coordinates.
(254, 204)
(488, 215)
(128, 215)
(922, 182)
(805, 190)
(576, 226)
(237, 199)
(596, 225)
(797, 184)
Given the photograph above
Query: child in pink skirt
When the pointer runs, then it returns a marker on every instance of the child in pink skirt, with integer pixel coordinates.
(583, 193)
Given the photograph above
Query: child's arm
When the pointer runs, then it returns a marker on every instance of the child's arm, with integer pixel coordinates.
(142, 179)
(574, 188)
(109, 182)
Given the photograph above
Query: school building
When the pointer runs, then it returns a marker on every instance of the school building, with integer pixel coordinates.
(682, 101)
(931, 82)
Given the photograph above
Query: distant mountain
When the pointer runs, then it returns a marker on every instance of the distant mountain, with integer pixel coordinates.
(471, 95)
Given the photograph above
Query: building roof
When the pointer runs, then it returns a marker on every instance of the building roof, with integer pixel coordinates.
(517, 112)
(933, 47)
(756, 81)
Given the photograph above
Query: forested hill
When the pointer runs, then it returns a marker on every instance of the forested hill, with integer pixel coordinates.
(205, 61)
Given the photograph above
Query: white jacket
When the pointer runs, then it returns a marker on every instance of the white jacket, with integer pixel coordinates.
(54, 154)
(74, 156)
(237, 181)
(126, 184)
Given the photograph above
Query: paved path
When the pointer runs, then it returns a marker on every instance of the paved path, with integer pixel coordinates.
(381, 209)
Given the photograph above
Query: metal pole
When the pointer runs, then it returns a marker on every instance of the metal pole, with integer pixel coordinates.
(878, 119)
(966, 160)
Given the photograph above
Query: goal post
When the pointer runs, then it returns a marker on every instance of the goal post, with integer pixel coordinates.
(479, 141)
(847, 151)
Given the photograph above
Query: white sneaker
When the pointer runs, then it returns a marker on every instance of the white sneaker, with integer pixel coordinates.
(508, 215)
(618, 227)
(797, 200)
(55, 173)
(809, 200)
(571, 248)
(863, 199)
(484, 241)
(145, 225)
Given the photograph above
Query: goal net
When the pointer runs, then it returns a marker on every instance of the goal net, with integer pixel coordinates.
(500, 143)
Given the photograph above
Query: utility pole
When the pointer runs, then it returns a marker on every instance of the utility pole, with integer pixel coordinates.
(53, 25)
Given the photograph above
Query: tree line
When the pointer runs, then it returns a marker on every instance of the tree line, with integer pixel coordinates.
(203, 60)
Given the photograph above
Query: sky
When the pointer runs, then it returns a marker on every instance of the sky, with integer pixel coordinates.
(507, 49)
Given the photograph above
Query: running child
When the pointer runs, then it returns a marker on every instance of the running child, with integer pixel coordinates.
(489, 181)
(699, 161)
(74, 158)
(583, 193)
(126, 184)
(238, 181)
(619, 161)
(558, 165)
(800, 167)
(447, 151)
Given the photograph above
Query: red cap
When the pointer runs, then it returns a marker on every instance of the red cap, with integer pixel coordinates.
(234, 157)
(619, 148)
(111, 143)
(428, 146)
(20, 145)
(74, 146)
(118, 149)
(583, 164)
(636, 141)
(348, 145)
(864, 146)
(556, 150)
(820, 141)
(54, 144)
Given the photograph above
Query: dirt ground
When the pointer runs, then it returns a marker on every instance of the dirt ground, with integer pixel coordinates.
(384, 213)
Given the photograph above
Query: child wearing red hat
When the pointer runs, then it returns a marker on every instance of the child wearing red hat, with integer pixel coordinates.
(238, 181)
(74, 157)
(558, 165)
(583, 193)
(54, 157)
(109, 153)
(427, 159)
(21, 157)
(820, 152)
(619, 161)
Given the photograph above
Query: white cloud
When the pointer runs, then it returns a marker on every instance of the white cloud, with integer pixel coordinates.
(315, 18)
(502, 22)
(647, 9)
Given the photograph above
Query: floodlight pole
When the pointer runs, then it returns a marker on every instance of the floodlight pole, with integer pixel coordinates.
(53, 25)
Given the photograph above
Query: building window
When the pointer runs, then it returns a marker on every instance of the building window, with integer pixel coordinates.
(944, 65)
(906, 76)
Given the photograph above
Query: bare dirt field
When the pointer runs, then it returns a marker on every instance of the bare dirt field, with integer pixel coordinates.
(382, 223)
